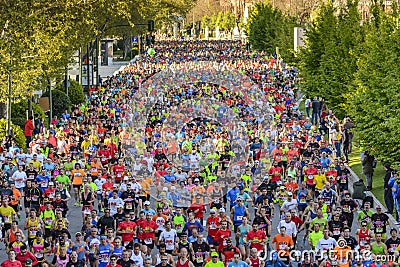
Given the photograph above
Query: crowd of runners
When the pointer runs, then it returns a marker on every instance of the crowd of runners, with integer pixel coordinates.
(196, 156)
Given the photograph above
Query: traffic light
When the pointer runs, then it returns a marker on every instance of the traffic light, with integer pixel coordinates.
(150, 25)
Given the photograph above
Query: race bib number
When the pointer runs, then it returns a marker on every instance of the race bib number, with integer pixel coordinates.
(282, 246)
(86, 210)
(303, 200)
(49, 221)
(239, 218)
(148, 241)
(32, 232)
(38, 255)
(129, 206)
(199, 259)
(336, 232)
(178, 227)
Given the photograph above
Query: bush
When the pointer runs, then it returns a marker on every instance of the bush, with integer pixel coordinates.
(61, 102)
(75, 92)
(18, 112)
(18, 133)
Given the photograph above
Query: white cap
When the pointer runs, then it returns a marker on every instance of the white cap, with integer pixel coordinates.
(165, 189)
(290, 194)
(119, 206)
(147, 202)
(197, 180)
(221, 210)
(126, 178)
(173, 187)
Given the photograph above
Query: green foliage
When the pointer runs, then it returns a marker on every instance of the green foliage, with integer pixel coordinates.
(205, 21)
(328, 63)
(75, 92)
(61, 102)
(269, 28)
(18, 112)
(375, 104)
(213, 21)
(18, 133)
(228, 21)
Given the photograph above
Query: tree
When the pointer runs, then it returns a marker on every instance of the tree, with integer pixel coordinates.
(268, 28)
(228, 21)
(18, 112)
(205, 21)
(375, 101)
(328, 62)
(61, 102)
(213, 21)
(17, 131)
(75, 92)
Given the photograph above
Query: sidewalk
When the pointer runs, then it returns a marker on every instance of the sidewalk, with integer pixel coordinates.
(105, 71)
(354, 178)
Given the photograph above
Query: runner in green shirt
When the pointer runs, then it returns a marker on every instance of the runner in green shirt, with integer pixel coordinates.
(63, 178)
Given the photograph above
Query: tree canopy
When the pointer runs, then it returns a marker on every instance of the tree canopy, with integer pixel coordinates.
(268, 28)
(38, 38)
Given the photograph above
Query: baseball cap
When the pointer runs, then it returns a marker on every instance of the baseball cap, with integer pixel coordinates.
(212, 211)
(119, 206)
(103, 237)
(221, 210)
(147, 202)
(196, 180)
(78, 234)
(290, 194)
(214, 254)
(126, 178)
(239, 198)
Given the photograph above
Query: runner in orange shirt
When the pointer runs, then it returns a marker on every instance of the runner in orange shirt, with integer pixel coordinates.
(283, 244)
(77, 177)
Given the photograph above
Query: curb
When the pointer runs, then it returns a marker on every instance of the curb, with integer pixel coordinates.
(354, 177)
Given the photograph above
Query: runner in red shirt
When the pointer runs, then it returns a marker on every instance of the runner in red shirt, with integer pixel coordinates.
(275, 172)
(198, 209)
(127, 230)
(256, 238)
(222, 234)
(118, 170)
(229, 251)
(50, 191)
(148, 228)
(113, 262)
(11, 262)
(212, 227)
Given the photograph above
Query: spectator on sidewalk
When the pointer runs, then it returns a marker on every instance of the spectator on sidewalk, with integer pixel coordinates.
(28, 130)
(308, 105)
(388, 197)
(315, 105)
(368, 163)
